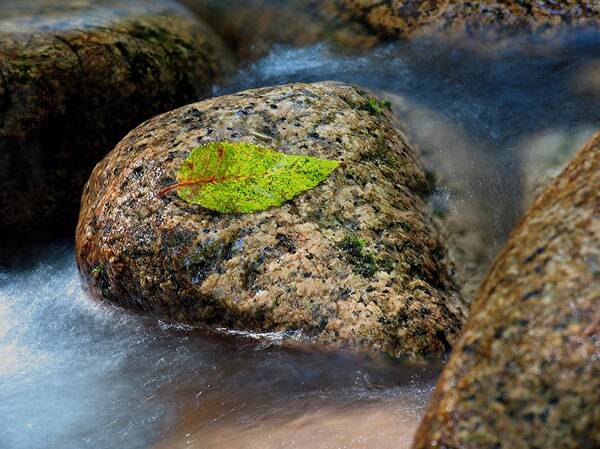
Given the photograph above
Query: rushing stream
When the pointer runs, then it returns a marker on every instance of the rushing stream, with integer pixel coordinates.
(75, 373)
(79, 374)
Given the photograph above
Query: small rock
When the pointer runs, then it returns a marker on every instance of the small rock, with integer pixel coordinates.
(525, 373)
(357, 260)
(586, 82)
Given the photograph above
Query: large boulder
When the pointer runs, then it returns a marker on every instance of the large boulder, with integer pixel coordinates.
(526, 372)
(357, 260)
(75, 77)
(252, 27)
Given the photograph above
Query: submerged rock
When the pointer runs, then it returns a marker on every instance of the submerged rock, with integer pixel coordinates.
(545, 154)
(357, 260)
(525, 372)
(252, 27)
(75, 76)
(586, 81)
(459, 168)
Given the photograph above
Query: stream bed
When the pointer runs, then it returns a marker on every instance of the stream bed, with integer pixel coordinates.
(75, 373)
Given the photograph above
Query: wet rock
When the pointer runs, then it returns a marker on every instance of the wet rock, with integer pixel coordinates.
(75, 76)
(390, 18)
(252, 27)
(519, 16)
(525, 372)
(357, 260)
(402, 19)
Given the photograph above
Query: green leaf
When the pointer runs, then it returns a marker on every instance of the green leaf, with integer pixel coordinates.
(237, 177)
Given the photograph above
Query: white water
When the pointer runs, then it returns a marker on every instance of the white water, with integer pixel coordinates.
(69, 374)
(75, 373)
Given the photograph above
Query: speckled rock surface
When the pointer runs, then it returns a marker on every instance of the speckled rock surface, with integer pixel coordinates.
(252, 27)
(357, 260)
(75, 77)
(395, 18)
(525, 373)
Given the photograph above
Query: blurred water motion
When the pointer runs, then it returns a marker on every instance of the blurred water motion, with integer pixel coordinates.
(75, 373)
(79, 374)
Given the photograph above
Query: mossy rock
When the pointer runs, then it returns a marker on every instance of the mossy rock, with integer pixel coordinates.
(525, 371)
(356, 260)
(74, 78)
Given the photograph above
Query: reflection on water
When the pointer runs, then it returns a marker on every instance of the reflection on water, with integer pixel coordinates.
(75, 373)
(310, 421)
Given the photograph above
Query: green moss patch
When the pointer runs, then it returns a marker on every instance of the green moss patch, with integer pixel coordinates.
(362, 261)
(97, 270)
(376, 106)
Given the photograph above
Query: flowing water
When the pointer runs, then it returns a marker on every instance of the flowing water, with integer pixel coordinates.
(79, 374)
(75, 373)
